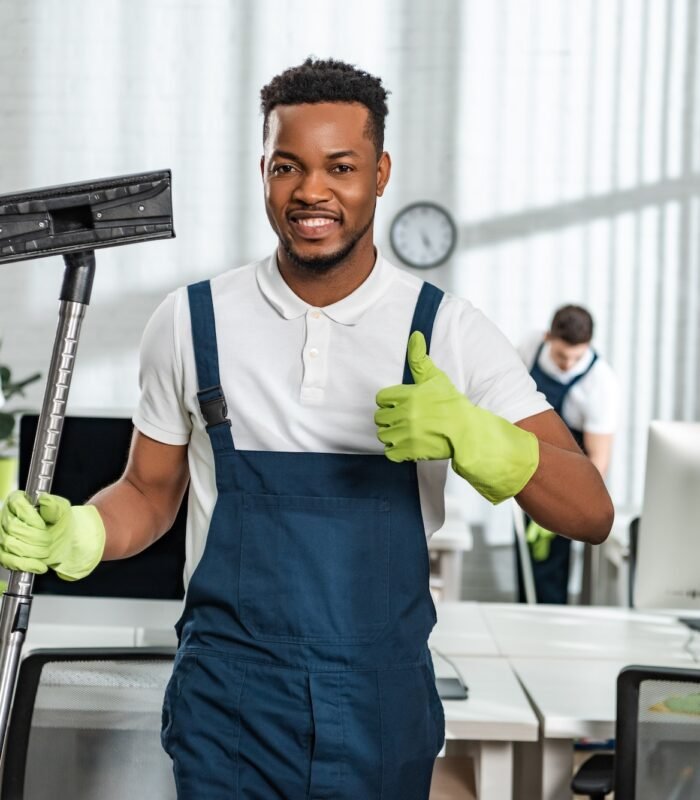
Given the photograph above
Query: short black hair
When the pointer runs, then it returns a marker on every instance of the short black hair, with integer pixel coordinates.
(328, 81)
(573, 324)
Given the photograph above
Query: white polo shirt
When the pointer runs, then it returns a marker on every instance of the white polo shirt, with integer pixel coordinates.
(591, 405)
(304, 379)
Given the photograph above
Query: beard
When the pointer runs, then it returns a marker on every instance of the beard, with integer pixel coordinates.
(326, 262)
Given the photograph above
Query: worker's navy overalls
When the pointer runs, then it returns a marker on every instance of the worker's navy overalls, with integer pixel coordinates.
(552, 575)
(303, 671)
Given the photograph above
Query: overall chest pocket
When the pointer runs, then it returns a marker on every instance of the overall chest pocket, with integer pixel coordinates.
(314, 569)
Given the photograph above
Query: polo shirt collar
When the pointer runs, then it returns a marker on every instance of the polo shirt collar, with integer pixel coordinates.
(347, 311)
(563, 376)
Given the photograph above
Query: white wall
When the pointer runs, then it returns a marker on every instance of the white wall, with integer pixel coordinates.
(564, 136)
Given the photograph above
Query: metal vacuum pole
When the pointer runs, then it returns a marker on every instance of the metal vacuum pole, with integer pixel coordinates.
(17, 600)
(72, 220)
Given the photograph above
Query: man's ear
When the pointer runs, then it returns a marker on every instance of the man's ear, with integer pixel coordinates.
(262, 167)
(383, 172)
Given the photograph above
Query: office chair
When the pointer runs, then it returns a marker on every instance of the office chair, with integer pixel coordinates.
(85, 724)
(657, 733)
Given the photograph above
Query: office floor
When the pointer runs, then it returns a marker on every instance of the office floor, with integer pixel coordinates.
(453, 779)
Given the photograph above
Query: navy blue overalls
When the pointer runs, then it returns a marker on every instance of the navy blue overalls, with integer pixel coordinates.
(552, 575)
(303, 671)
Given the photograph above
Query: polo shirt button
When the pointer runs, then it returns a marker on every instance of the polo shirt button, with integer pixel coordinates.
(316, 314)
(313, 352)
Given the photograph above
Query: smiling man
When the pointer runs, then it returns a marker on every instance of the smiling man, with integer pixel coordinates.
(320, 192)
(297, 396)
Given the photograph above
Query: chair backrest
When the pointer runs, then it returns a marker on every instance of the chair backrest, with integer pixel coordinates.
(86, 724)
(657, 751)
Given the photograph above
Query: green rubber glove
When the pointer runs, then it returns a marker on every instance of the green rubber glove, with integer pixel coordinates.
(68, 539)
(431, 420)
(540, 541)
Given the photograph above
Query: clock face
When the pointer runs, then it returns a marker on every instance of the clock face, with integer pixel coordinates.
(423, 235)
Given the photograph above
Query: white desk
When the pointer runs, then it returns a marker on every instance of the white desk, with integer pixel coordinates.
(567, 660)
(495, 717)
(574, 699)
(585, 632)
(57, 621)
(514, 630)
(462, 630)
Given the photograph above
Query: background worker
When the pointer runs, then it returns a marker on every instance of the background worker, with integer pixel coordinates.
(581, 388)
(297, 397)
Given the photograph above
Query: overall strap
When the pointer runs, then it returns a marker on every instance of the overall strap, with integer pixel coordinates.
(575, 380)
(212, 402)
(537, 356)
(423, 318)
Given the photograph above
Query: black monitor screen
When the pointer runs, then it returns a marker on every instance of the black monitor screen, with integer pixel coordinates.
(92, 454)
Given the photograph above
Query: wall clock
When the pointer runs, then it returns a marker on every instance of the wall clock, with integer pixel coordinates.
(423, 235)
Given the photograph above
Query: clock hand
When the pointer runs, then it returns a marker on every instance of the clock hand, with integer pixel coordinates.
(425, 239)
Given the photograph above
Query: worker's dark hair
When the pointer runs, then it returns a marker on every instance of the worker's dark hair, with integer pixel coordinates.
(328, 81)
(573, 324)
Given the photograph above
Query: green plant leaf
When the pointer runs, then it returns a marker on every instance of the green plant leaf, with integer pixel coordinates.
(7, 425)
(18, 388)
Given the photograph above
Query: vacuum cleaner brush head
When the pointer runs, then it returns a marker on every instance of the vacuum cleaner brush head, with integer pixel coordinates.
(84, 216)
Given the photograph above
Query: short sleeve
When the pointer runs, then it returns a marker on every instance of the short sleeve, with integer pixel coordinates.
(602, 401)
(495, 376)
(161, 413)
(527, 349)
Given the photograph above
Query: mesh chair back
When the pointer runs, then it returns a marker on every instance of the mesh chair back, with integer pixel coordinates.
(86, 724)
(658, 734)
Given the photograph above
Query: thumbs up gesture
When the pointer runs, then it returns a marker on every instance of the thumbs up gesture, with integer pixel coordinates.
(413, 419)
(431, 420)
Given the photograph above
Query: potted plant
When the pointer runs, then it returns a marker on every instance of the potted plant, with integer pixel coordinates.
(9, 388)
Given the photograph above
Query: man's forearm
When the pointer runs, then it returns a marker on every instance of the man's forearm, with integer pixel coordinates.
(142, 505)
(567, 495)
(598, 447)
(131, 520)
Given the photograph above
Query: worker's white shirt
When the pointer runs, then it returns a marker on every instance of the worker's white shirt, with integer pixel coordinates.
(591, 405)
(300, 379)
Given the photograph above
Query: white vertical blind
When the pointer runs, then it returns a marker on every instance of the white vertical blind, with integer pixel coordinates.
(597, 194)
(564, 136)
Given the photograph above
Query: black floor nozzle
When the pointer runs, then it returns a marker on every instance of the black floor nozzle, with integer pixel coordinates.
(85, 216)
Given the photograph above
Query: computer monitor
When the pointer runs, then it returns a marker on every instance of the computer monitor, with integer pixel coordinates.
(668, 556)
(92, 454)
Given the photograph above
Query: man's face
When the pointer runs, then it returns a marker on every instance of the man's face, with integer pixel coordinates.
(322, 179)
(566, 355)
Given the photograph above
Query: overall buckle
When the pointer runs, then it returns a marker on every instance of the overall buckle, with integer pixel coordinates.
(212, 404)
